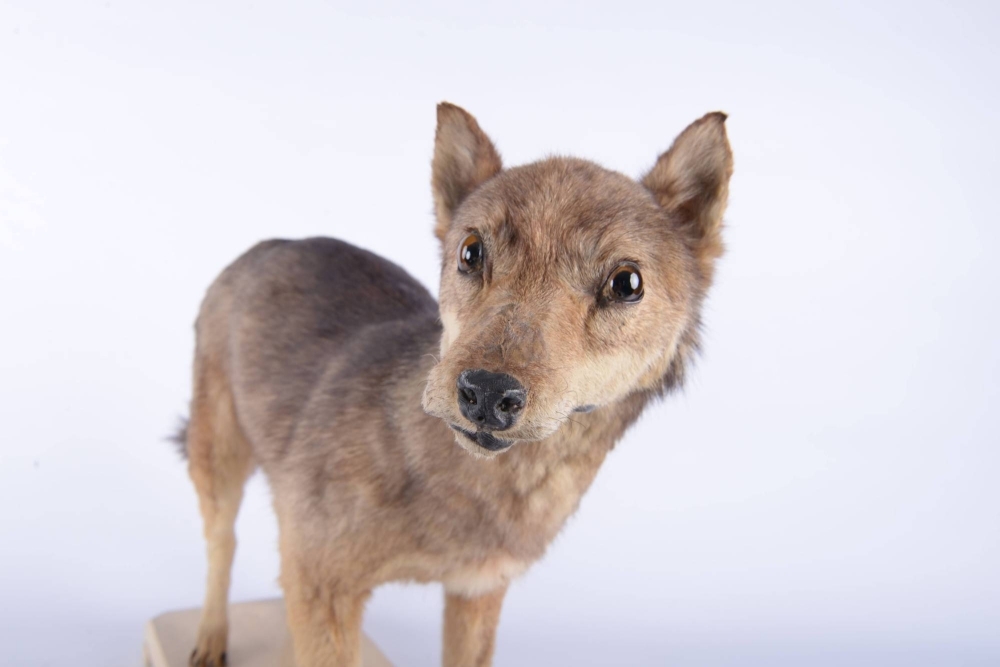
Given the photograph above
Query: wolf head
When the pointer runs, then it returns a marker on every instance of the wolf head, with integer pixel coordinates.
(565, 286)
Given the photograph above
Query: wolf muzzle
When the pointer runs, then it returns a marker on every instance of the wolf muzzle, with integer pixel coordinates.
(491, 401)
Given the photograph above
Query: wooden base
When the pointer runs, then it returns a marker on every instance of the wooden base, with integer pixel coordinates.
(258, 637)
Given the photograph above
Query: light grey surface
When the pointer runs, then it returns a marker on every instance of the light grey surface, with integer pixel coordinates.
(258, 637)
(825, 490)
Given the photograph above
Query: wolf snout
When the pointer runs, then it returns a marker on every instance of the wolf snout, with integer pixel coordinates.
(491, 401)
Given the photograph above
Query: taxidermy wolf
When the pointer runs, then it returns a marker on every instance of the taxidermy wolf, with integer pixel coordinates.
(446, 441)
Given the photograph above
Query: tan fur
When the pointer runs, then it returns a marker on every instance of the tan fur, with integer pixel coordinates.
(470, 628)
(220, 463)
(336, 373)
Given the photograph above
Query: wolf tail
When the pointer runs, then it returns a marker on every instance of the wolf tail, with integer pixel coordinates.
(180, 437)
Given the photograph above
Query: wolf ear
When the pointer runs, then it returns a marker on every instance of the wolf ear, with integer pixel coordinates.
(691, 181)
(464, 158)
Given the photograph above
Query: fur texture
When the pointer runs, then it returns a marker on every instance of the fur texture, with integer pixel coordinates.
(335, 372)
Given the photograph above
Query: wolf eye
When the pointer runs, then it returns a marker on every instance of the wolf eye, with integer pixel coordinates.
(470, 254)
(625, 284)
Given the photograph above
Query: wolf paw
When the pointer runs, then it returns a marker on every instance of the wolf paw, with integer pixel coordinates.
(210, 650)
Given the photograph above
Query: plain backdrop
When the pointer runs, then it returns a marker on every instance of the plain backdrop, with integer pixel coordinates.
(824, 491)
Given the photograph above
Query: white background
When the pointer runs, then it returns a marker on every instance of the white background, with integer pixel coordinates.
(823, 493)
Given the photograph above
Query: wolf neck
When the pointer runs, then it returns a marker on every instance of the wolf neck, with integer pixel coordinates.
(548, 478)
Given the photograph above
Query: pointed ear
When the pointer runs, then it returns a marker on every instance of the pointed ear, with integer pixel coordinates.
(464, 158)
(691, 181)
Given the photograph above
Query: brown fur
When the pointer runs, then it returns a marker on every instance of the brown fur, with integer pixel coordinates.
(335, 372)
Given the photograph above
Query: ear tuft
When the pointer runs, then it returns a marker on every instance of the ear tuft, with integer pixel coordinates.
(691, 181)
(464, 158)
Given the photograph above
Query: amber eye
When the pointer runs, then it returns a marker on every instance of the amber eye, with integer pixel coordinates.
(625, 284)
(470, 254)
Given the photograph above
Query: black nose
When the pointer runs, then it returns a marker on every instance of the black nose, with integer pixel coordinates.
(492, 401)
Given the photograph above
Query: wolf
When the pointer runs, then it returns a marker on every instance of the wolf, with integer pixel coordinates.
(446, 441)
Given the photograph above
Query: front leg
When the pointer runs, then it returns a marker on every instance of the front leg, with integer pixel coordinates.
(324, 619)
(470, 628)
(326, 632)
